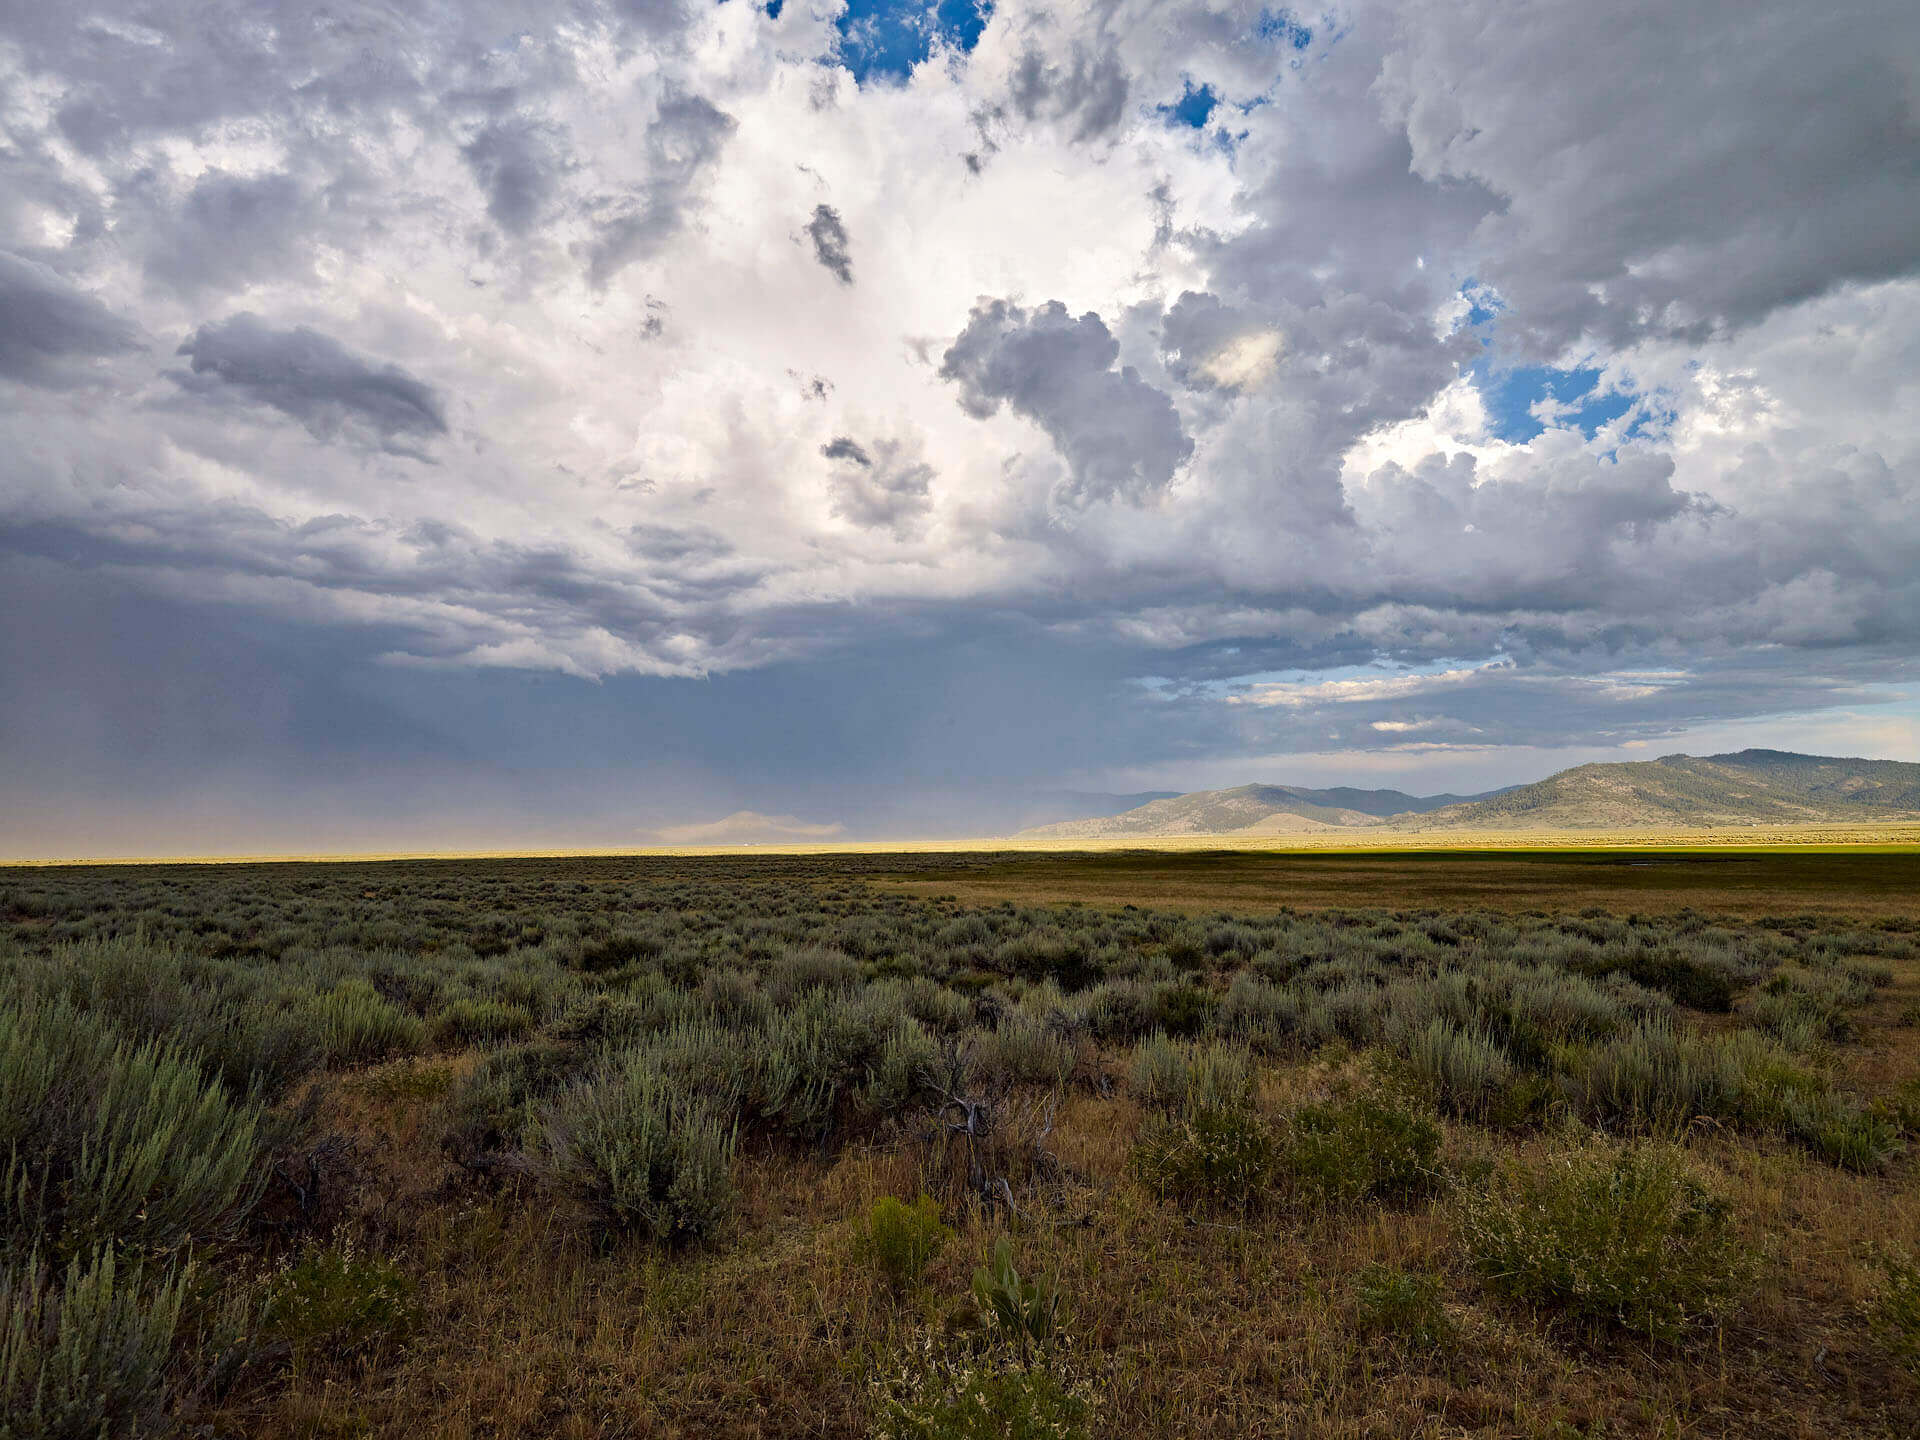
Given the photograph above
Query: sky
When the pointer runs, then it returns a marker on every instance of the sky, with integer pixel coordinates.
(483, 423)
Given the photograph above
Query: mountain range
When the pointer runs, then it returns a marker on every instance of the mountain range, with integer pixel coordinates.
(1750, 787)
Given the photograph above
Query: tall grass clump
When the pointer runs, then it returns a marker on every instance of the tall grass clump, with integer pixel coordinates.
(112, 1142)
(647, 1155)
(357, 1025)
(1626, 1235)
(85, 1358)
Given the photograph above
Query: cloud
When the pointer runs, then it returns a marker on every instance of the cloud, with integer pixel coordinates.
(829, 238)
(1120, 437)
(746, 827)
(49, 330)
(683, 140)
(315, 380)
(516, 161)
(1229, 399)
(884, 485)
(1087, 94)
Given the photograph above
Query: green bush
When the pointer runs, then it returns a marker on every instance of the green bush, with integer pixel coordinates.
(1361, 1149)
(334, 1302)
(1403, 1304)
(646, 1154)
(1626, 1235)
(902, 1238)
(86, 1358)
(1217, 1156)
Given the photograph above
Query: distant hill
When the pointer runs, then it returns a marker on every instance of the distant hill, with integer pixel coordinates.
(1747, 788)
(1250, 809)
(1751, 787)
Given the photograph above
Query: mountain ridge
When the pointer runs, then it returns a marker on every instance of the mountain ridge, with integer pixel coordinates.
(1745, 787)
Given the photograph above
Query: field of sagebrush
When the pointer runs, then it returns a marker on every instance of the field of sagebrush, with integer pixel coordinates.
(761, 1147)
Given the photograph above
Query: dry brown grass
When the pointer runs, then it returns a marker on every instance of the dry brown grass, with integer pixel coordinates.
(1198, 1326)
(1843, 884)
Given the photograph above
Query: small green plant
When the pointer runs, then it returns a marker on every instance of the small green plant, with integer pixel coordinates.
(960, 1394)
(335, 1302)
(902, 1238)
(1625, 1235)
(84, 1358)
(1895, 1311)
(1403, 1304)
(1218, 1156)
(1026, 1313)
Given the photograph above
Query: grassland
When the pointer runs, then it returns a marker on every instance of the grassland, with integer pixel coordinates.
(1348, 1144)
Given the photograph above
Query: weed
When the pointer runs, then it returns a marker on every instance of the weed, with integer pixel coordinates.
(1627, 1235)
(335, 1302)
(1216, 1156)
(1403, 1304)
(1361, 1149)
(903, 1237)
(1027, 1313)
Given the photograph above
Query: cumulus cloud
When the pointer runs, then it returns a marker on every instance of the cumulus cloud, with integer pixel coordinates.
(1121, 438)
(885, 485)
(315, 380)
(1198, 407)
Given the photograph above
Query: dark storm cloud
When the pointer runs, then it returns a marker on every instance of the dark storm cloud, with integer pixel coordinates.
(1086, 94)
(49, 330)
(684, 138)
(1674, 179)
(829, 236)
(845, 447)
(230, 230)
(517, 164)
(1120, 437)
(315, 380)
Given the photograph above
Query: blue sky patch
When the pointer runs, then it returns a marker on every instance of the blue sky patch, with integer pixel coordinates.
(1285, 27)
(889, 37)
(1194, 107)
(1510, 396)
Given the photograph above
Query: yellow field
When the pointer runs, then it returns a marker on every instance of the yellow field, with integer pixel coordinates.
(1823, 837)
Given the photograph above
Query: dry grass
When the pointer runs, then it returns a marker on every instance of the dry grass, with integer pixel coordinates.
(1237, 1326)
(1843, 884)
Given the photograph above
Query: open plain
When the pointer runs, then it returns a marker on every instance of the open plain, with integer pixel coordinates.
(1187, 1143)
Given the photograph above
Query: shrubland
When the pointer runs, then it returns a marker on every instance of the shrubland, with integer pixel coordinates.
(756, 1147)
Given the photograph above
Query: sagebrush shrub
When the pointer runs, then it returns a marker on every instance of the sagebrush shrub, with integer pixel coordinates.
(114, 1143)
(903, 1237)
(84, 1357)
(471, 1021)
(648, 1155)
(1182, 1075)
(1626, 1235)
